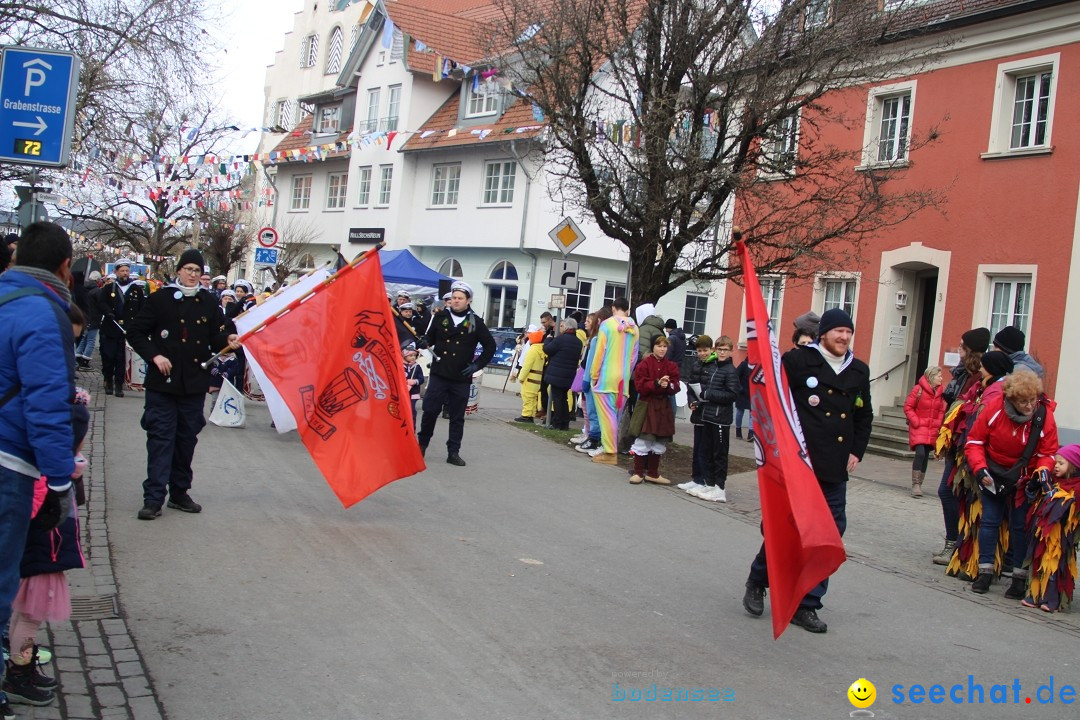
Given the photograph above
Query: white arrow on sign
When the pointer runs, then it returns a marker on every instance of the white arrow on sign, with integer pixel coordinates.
(40, 125)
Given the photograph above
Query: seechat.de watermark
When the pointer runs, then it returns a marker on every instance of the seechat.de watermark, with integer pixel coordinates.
(665, 693)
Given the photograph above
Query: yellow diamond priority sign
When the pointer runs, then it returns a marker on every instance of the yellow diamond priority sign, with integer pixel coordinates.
(567, 236)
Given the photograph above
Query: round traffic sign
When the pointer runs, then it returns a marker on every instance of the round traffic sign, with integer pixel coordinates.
(268, 237)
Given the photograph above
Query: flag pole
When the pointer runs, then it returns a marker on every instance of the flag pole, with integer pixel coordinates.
(296, 303)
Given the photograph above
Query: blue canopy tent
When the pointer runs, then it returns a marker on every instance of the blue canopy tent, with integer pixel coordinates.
(400, 267)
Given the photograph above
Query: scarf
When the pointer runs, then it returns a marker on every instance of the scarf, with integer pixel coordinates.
(46, 278)
(1015, 415)
(187, 291)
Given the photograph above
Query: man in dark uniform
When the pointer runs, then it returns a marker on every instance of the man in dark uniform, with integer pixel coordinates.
(452, 338)
(180, 327)
(118, 302)
(831, 390)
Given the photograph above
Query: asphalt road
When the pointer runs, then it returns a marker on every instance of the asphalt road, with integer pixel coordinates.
(527, 585)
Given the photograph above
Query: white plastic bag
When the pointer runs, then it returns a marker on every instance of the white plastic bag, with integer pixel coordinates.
(229, 409)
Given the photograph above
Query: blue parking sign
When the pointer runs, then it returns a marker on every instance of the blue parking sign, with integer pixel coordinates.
(37, 99)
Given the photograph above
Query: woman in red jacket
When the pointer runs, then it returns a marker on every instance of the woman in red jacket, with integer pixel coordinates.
(925, 409)
(1013, 437)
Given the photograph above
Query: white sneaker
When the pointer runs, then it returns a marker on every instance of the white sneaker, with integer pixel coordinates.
(699, 490)
(687, 485)
(578, 439)
(597, 451)
(715, 494)
(694, 486)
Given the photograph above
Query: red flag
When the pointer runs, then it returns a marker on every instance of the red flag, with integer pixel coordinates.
(802, 544)
(335, 361)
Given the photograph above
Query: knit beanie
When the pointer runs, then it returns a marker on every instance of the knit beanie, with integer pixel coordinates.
(976, 339)
(1071, 453)
(832, 319)
(191, 256)
(997, 363)
(1010, 339)
(807, 323)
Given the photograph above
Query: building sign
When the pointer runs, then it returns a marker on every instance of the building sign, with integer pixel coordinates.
(367, 235)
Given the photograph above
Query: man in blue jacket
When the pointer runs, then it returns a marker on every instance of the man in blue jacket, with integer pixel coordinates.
(37, 386)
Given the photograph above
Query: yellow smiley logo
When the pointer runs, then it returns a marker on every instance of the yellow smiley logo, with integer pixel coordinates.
(862, 693)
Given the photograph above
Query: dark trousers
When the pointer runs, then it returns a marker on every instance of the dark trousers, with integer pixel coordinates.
(113, 359)
(455, 396)
(922, 457)
(998, 508)
(836, 497)
(697, 471)
(949, 506)
(716, 441)
(172, 424)
(16, 502)
(560, 407)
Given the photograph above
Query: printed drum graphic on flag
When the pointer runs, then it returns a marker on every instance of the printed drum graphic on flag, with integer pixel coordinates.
(344, 391)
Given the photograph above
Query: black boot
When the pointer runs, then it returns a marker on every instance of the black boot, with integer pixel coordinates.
(455, 459)
(108, 387)
(149, 512)
(118, 389)
(182, 501)
(982, 583)
(41, 680)
(754, 599)
(738, 432)
(807, 619)
(1017, 589)
(20, 688)
(423, 449)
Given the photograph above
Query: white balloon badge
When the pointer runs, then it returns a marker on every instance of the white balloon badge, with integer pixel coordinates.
(811, 382)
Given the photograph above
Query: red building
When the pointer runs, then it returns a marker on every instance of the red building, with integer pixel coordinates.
(1002, 99)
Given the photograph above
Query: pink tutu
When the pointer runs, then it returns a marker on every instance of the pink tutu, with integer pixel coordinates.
(44, 598)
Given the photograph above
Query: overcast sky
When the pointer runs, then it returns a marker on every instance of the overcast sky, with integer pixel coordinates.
(254, 31)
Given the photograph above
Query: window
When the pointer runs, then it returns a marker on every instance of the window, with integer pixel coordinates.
(333, 53)
(329, 120)
(1023, 112)
(502, 296)
(354, 35)
(817, 14)
(451, 268)
(335, 190)
(312, 47)
(394, 108)
(482, 99)
(445, 180)
(1031, 104)
(840, 294)
(386, 177)
(613, 290)
(363, 177)
(372, 110)
(283, 114)
(499, 182)
(771, 288)
(781, 149)
(894, 126)
(887, 135)
(301, 192)
(307, 262)
(1010, 303)
(694, 313)
(579, 299)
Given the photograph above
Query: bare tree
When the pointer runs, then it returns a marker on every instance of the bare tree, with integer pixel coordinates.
(224, 237)
(297, 238)
(661, 113)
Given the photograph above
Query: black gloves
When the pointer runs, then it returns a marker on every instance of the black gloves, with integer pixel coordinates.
(56, 508)
(470, 370)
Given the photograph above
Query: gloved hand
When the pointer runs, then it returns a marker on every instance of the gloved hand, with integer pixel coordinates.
(470, 370)
(56, 508)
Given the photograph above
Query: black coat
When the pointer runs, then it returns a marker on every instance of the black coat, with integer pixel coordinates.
(743, 401)
(677, 350)
(563, 353)
(114, 311)
(188, 331)
(834, 410)
(719, 387)
(453, 346)
(404, 334)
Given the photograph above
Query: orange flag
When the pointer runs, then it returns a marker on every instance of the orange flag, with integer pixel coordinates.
(335, 361)
(802, 544)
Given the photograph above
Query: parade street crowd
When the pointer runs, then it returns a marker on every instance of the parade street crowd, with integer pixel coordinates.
(1008, 491)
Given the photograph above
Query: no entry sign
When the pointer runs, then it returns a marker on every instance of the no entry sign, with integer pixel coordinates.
(268, 237)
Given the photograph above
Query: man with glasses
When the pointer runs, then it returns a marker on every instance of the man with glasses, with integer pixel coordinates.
(180, 327)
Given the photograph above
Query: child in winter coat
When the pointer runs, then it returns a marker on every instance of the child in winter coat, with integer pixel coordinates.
(1054, 520)
(656, 379)
(414, 377)
(925, 411)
